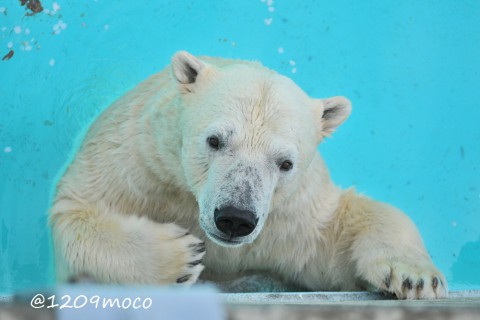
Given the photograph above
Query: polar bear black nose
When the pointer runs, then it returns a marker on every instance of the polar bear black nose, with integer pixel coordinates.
(235, 222)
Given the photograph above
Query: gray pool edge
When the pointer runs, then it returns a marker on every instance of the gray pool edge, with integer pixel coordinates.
(467, 298)
(470, 297)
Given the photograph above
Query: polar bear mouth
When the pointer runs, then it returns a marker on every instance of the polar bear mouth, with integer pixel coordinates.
(226, 242)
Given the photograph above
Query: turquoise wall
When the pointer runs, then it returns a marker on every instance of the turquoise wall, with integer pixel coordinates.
(411, 69)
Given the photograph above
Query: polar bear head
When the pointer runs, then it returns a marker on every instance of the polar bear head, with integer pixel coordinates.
(248, 136)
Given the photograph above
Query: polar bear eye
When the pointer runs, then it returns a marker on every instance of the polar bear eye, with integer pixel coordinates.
(213, 142)
(286, 165)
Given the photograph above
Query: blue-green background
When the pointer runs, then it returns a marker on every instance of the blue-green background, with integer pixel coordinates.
(411, 69)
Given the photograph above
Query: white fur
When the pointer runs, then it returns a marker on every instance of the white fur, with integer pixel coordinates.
(145, 167)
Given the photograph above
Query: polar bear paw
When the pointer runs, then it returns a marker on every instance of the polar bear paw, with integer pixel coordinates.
(414, 280)
(191, 267)
(171, 256)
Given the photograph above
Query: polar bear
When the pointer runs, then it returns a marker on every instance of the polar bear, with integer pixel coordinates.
(213, 163)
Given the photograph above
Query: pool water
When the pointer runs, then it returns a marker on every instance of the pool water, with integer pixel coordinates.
(411, 69)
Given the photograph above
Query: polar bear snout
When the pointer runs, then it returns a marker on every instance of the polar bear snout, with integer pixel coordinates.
(234, 222)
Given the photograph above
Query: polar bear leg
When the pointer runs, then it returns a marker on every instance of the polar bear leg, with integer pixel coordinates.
(124, 249)
(388, 252)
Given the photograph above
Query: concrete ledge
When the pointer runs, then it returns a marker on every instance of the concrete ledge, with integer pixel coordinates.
(294, 312)
(463, 305)
(467, 298)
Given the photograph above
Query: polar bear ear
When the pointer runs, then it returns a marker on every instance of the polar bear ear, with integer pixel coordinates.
(186, 68)
(334, 111)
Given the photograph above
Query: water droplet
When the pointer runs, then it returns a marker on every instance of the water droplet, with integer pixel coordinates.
(26, 46)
